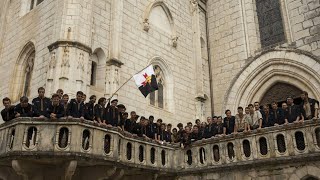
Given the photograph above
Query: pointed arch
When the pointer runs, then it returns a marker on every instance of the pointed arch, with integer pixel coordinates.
(167, 85)
(159, 3)
(296, 68)
(23, 70)
(98, 71)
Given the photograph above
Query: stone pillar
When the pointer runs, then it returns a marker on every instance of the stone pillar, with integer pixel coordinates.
(194, 8)
(68, 68)
(114, 62)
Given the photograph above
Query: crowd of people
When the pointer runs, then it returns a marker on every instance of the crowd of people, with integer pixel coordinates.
(109, 113)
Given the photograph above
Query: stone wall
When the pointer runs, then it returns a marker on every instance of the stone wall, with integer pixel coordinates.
(236, 50)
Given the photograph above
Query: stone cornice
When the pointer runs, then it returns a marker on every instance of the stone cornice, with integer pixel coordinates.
(68, 43)
(115, 62)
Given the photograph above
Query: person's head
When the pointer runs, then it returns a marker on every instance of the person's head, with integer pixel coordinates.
(24, 101)
(174, 131)
(136, 117)
(228, 113)
(284, 105)
(214, 119)
(93, 99)
(304, 95)
(289, 100)
(55, 99)
(6, 102)
(189, 124)
(251, 108)
(41, 92)
(219, 120)
(195, 129)
(187, 129)
(114, 102)
(60, 93)
(169, 127)
(209, 120)
(151, 119)
(266, 109)
(102, 101)
(274, 105)
(121, 108)
(180, 126)
(65, 98)
(240, 110)
(203, 125)
(163, 126)
(256, 106)
(125, 115)
(84, 98)
(79, 96)
(198, 122)
(133, 114)
(159, 122)
(142, 120)
(247, 110)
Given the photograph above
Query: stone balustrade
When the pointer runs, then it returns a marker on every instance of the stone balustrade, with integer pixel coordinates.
(91, 145)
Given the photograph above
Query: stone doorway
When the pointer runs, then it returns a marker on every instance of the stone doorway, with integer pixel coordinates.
(279, 93)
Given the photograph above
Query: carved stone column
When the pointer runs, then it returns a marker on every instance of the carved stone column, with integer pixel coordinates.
(114, 63)
(68, 68)
(194, 8)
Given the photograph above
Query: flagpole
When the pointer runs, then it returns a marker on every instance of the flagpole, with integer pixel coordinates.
(125, 83)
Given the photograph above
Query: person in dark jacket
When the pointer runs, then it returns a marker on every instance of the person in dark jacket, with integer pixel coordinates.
(99, 111)
(41, 103)
(8, 112)
(55, 110)
(267, 118)
(24, 108)
(111, 113)
(76, 107)
(89, 108)
(277, 114)
(229, 123)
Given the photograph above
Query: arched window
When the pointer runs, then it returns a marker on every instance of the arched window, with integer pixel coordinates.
(270, 22)
(157, 97)
(93, 79)
(22, 76)
(97, 72)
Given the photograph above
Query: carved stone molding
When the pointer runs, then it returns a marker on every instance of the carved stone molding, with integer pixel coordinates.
(146, 25)
(114, 62)
(67, 43)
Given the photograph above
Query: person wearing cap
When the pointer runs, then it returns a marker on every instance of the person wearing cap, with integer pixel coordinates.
(89, 108)
(111, 113)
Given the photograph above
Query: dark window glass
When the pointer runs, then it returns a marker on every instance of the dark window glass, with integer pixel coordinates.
(270, 22)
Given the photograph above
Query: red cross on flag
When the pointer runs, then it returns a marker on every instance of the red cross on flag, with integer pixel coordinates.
(146, 81)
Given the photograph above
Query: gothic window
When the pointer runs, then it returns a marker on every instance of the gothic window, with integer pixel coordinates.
(270, 22)
(93, 73)
(23, 72)
(157, 97)
(28, 73)
(34, 3)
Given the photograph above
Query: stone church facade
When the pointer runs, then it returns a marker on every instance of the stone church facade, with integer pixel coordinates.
(208, 55)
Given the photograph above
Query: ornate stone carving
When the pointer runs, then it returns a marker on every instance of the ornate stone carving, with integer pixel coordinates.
(53, 60)
(175, 41)
(146, 25)
(29, 65)
(65, 61)
(193, 6)
(81, 62)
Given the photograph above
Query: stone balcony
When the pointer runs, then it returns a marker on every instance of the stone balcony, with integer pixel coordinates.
(72, 149)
